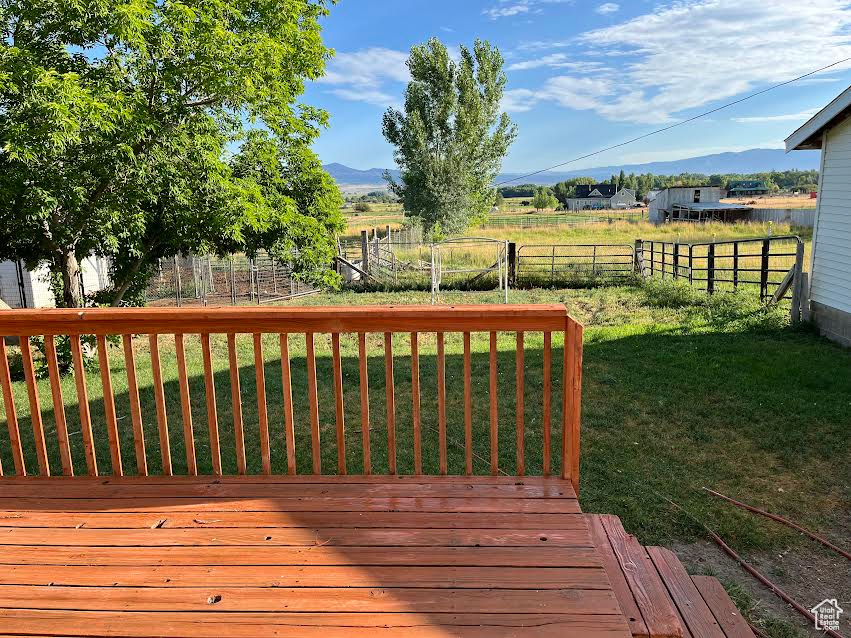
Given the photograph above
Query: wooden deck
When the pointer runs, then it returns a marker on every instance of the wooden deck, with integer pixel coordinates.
(297, 555)
(300, 556)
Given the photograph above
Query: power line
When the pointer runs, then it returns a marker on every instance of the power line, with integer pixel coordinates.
(675, 124)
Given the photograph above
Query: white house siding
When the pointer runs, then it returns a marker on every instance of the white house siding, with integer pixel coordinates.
(36, 283)
(830, 285)
(9, 290)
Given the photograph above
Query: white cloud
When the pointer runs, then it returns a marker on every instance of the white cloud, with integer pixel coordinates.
(555, 61)
(361, 76)
(608, 7)
(786, 117)
(510, 8)
(694, 52)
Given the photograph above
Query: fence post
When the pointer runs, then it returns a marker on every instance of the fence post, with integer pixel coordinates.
(553, 267)
(710, 269)
(652, 257)
(763, 274)
(512, 264)
(364, 251)
(638, 257)
(388, 234)
(690, 264)
(677, 260)
(797, 284)
(735, 265)
(663, 259)
(177, 291)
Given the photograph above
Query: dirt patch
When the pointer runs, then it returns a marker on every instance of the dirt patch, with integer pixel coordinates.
(807, 574)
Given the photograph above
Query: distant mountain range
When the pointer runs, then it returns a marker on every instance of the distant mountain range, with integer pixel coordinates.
(755, 160)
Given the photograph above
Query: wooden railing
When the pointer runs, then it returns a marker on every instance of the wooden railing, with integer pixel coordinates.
(302, 324)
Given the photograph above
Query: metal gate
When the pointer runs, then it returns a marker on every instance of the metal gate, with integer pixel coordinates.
(565, 264)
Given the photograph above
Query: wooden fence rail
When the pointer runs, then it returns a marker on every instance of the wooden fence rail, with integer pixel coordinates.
(181, 325)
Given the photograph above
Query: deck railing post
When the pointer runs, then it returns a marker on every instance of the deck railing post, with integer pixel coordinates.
(571, 401)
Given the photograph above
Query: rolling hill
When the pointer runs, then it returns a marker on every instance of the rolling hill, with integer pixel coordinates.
(755, 160)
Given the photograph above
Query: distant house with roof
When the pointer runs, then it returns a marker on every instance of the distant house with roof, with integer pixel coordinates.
(693, 204)
(600, 196)
(830, 261)
(746, 187)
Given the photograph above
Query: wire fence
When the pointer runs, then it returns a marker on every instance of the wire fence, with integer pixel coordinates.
(534, 220)
(234, 280)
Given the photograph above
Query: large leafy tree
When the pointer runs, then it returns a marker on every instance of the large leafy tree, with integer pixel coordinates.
(451, 137)
(116, 120)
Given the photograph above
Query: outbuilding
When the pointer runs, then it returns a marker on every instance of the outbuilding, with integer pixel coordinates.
(830, 262)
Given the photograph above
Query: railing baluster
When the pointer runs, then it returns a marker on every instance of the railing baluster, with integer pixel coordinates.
(159, 396)
(11, 412)
(262, 412)
(364, 403)
(520, 406)
(135, 405)
(314, 404)
(441, 401)
(391, 402)
(183, 380)
(212, 412)
(338, 403)
(109, 408)
(83, 403)
(35, 407)
(58, 406)
(548, 390)
(286, 383)
(468, 408)
(494, 409)
(415, 394)
(236, 402)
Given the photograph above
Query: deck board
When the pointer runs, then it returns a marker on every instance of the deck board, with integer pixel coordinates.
(266, 556)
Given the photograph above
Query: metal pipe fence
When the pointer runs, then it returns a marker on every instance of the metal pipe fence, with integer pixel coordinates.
(772, 265)
(550, 264)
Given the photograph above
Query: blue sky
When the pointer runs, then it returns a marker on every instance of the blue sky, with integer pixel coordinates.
(583, 75)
